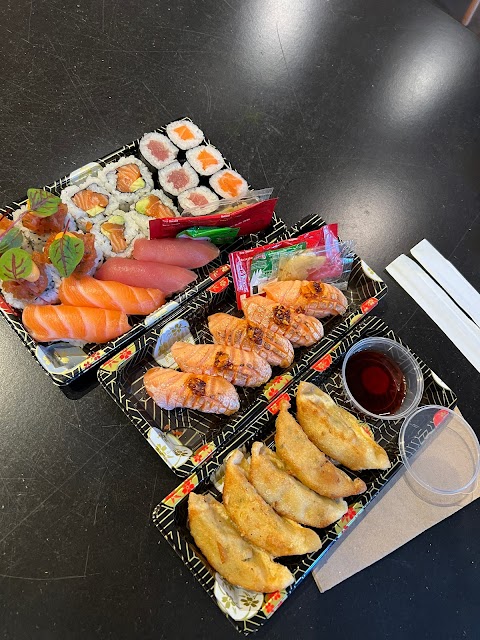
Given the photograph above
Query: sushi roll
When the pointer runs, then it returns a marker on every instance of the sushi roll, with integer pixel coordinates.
(40, 288)
(115, 235)
(155, 205)
(205, 159)
(12, 231)
(184, 134)
(88, 202)
(177, 177)
(127, 179)
(92, 253)
(196, 197)
(37, 230)
(229, 184)
(157, 150)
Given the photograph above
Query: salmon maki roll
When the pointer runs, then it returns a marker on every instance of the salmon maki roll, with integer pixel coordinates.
(128, 179)
(312, 298)
(88, 203)
(89, 292)
(229, 184)
(242, 368)
(171, 389)
(79, 324)
(236, 332)
(300, 329)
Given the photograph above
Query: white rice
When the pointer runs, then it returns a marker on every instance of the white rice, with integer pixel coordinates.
(190, 208)
(170, 149)
(241, 189)
(192, 157)
(191, 174)
(132, 231)
(178, 140)
(49, 296)
(35, 241)
(80, 216)
(109, 176)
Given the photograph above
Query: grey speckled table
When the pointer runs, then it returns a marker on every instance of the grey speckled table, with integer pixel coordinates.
(366, 112)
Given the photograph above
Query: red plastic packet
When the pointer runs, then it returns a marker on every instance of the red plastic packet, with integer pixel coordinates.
(240, 261)
(250, 219)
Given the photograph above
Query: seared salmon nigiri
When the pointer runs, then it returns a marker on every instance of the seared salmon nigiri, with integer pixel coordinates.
(243, 368)
(301, 330)
(236, 332)
(312, 298)
(170, 389)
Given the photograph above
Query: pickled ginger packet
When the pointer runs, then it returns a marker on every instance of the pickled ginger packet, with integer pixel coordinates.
(264, 267)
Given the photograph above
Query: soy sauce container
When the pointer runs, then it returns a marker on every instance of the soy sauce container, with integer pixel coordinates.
(386, 356)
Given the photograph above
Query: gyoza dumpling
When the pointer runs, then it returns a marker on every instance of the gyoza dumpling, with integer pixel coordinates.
(288, 496)
(336, 432)
(257, 521)
(309, 464)
(234, 558)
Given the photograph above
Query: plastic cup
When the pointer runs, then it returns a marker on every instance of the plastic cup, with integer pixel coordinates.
(441, 467)
(407, 363)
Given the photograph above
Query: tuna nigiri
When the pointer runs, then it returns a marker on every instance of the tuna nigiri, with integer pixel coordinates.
(236, 332)
(243, 368)
(88, 292)
(140, 273)
(182, 252)
(82, 324)
(170, 389)
(312, 298)
(301, 330)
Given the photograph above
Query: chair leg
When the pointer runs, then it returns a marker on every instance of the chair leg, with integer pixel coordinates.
(472, 7)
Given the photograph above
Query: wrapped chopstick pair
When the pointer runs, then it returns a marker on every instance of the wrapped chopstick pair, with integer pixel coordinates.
(448, 306)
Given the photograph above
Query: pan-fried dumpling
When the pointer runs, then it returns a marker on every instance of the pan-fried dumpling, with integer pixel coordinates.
(257, 521)
(234, 558)
(336, 431)
(288, 496)
(309, 464)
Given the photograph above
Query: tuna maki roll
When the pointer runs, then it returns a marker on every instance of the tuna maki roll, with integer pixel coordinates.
(177, 177)
(191, 199)
(127, 179)
(157, 150)
(205, 159)
(184, 134)
(229, 184)
(88, 202)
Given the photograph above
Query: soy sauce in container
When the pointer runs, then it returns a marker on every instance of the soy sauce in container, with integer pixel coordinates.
(382, 378)
(376, 382)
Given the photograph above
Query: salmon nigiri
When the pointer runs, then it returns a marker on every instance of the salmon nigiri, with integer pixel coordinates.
(312, 298)
(236, 332)
(243, 368)
(82, 324)
(170, 389)
(301, 330)
(104, 294)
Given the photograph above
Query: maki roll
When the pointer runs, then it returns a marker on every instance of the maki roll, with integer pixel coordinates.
(115, 235)
(191, 199)
(177, 177)
(205, 159)
(156, 205)
(157, 150)
(229, 184)
(184, 134)
(127, 179)
(37, 230)
(88, 202)
(92, 253)
(41, 286)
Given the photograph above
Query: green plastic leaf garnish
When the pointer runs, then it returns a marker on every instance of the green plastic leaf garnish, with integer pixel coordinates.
(10, 240)
(43, 203)
(15, 264)
(66, 253)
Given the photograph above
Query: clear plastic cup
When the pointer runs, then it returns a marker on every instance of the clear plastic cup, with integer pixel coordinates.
(407, 363)
(443, 466)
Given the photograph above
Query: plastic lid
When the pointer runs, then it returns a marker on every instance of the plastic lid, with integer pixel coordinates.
(448, 465)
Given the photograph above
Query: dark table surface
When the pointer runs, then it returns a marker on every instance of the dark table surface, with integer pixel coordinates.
(367, 112)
